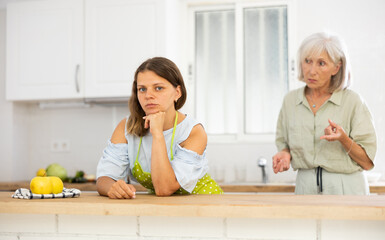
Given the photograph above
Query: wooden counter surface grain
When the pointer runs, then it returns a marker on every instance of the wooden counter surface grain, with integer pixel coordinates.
(227, 206)
(378, 188)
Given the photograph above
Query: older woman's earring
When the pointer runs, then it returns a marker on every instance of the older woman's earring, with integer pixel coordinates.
(176, 100)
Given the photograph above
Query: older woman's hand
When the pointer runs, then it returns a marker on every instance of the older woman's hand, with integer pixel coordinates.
(333, 132)
(281, 161)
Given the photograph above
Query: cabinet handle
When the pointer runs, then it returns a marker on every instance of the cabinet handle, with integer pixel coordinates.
(77, 78)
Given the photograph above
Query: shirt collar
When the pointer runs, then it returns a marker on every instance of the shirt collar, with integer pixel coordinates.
(336, 97)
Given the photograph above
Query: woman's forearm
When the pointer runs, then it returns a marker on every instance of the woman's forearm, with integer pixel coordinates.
(103, 185)
(357, 153)
(162, 174)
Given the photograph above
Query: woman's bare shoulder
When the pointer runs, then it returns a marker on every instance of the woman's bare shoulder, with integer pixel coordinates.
(119, 135)
(197, 140)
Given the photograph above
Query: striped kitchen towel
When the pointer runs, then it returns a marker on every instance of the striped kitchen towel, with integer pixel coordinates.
(24, 193)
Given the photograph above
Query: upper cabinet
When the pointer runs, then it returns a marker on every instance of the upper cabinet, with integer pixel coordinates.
(44, 50)
(120, 35)
(73, 49)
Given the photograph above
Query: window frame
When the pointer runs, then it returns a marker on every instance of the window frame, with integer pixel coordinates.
(238, 7)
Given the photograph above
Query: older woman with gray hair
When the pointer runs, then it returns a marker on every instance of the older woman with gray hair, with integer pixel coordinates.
(324, 130)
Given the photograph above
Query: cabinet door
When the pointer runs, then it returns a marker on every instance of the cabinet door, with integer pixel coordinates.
(120, 34)
(44, 50)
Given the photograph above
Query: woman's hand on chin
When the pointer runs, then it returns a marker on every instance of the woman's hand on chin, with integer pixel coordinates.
(155, 122)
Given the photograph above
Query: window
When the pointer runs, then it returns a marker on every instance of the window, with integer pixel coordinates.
(215, 71)
(241, 56)
(265, 66)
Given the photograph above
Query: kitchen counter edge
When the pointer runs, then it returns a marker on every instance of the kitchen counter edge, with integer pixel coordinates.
(228, 206)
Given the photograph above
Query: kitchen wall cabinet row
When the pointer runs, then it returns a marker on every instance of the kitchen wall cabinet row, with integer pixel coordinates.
(76, 49)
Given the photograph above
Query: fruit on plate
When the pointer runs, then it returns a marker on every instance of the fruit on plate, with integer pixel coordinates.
(41, 172)
(57, 170)
(57, 185)
(46, 185)
(41, 185)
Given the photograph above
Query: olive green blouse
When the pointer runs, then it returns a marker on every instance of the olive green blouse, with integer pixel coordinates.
(299, 130)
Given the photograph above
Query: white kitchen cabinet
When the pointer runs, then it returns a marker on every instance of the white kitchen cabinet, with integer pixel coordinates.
(120, 35)
(44, 50)
(73, 49)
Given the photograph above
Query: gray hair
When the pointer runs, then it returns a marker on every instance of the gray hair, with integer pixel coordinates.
(317, 43)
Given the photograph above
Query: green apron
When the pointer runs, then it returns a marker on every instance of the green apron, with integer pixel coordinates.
(205, 185)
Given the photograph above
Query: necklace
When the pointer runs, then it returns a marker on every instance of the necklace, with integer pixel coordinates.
(313, 103)
(311, 98)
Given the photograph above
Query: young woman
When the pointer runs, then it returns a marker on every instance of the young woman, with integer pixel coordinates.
(157, 146)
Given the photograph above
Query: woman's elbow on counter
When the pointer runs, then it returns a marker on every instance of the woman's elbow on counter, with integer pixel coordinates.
(165, 188)
(163, 193)
(103, 184)
(99, 189)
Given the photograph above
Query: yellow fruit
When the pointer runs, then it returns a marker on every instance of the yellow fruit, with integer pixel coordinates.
(41, 172)
(46, 185)
(57, 184)
(41, 185)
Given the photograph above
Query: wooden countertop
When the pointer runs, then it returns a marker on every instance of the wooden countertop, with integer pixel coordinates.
(378, 188)
(228, 205)
(90, 186)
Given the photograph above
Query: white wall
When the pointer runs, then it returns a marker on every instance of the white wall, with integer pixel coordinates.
(26, 131)
(13, 128)
(86, 129)
(5, 110)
